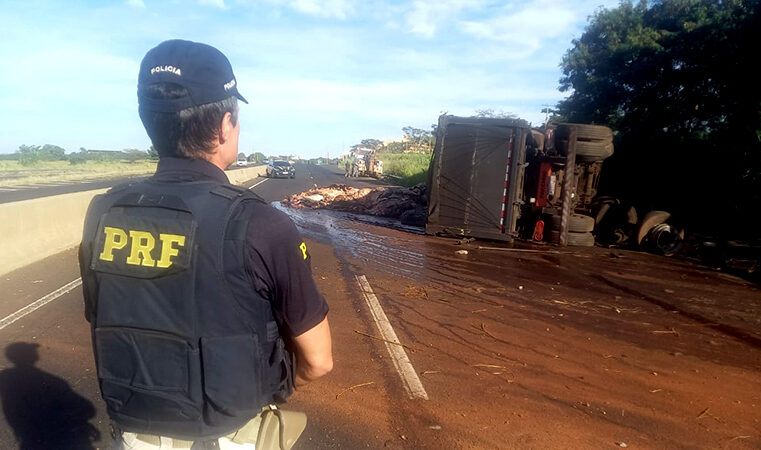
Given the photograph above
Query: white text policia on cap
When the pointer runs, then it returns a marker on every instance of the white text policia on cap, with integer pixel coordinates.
(172, 69)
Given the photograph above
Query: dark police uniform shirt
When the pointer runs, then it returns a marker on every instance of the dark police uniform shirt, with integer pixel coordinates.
(277, 257)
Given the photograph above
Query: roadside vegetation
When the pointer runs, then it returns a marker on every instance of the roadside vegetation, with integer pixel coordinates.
(14, 174)
(405, 161)
(411, 168)
(48, 163)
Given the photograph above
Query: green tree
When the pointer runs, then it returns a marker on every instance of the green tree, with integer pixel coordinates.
(374, 144)
(77, 158)
(395, 147)
(49, 152)
(418, 138)
(489, 113)
(32, 154)
(676, 80)
(28, 155)
(257, 157)
(134, 154)
(153, 154)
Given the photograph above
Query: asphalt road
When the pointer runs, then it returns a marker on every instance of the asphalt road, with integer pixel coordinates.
(545, 348)
(10, 194)
(307, 177)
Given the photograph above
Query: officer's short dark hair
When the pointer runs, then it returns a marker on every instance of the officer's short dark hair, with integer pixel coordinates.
(190, 132)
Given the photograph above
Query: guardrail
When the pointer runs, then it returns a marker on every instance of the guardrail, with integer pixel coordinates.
(32, 230)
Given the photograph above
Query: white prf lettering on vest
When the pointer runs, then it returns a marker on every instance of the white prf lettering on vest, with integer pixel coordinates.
(175, 70)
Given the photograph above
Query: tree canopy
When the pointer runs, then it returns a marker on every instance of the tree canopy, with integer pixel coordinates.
(415, 140)
(31, 154)
(676, 80)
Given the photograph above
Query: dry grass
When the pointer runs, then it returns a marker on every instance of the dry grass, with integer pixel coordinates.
(14, 174)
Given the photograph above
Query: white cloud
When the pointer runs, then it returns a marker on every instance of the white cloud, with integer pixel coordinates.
(336, 114)
(215, 3)
(329, 9)
(338, 9)
(135, 3)
(527, 28)
(426, 16)
(392, 102)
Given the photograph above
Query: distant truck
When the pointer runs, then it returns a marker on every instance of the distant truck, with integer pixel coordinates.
(368, 165)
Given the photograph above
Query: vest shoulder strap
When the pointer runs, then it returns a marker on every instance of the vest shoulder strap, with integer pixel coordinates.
(232, 192)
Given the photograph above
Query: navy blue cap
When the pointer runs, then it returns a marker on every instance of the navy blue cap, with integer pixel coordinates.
(201, 69)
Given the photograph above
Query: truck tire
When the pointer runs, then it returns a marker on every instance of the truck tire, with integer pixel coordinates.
(555, 222)
(593, 132)
(578, 223)
(650, 220)
(580, 239)
(585, 132)
(590, 151)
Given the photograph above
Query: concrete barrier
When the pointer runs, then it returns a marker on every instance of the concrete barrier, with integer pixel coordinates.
(239, 176)
(32, 230)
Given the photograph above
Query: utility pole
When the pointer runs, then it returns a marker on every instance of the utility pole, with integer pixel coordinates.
(546, 115)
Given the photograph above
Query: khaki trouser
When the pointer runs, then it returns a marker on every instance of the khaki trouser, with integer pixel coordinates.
(272, 429)
(243, 439)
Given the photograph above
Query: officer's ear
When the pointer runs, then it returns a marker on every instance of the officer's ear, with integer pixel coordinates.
(225, 128)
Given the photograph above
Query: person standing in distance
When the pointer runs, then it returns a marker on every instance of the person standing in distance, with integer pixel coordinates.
(200, 295)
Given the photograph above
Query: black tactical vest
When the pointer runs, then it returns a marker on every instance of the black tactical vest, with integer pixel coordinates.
(184, 346)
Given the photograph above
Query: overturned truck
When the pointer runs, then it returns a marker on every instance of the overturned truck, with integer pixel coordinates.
(500, 179)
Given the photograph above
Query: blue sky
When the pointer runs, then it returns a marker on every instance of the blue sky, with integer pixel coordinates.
(319, 75)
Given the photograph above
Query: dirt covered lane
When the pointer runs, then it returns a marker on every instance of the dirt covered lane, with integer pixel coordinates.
(587, 348)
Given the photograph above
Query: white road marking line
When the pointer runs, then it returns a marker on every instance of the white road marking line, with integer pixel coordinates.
(257, 184)
(32, 307)
(410, 380)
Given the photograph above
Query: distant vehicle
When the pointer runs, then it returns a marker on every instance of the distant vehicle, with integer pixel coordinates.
(277, 169)
(367, 163)
(241, 161)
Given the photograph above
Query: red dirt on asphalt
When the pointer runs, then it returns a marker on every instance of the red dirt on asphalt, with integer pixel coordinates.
(559, 348)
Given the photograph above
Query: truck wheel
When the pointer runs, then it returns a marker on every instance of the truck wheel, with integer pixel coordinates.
(591, 151)
(578, 223)
(580, 239)
(593, 132)
(650, 220)
(584, 132)
(555, 222)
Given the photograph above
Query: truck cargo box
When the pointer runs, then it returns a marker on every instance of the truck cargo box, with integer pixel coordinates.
(476, 177)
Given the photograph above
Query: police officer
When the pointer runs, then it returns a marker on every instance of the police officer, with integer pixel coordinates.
(200, 295)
